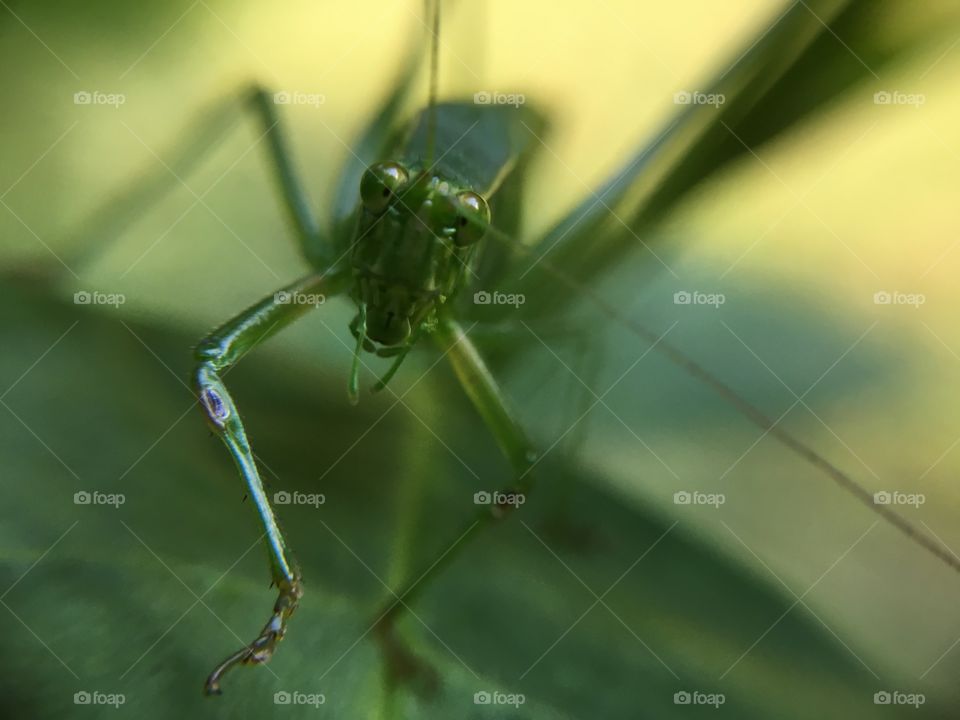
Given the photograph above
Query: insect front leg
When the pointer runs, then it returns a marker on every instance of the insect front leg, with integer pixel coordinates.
(484, 392)
(317, 249)
(205, 131)
(216, 354)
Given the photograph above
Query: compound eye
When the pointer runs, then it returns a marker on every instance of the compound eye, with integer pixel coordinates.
(379, 185)
(473, 216)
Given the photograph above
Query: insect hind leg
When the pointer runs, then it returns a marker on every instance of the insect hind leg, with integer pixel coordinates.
(484, 392)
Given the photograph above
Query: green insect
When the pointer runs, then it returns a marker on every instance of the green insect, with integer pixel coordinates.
(403, 262)
(402, 248)
(427, 213)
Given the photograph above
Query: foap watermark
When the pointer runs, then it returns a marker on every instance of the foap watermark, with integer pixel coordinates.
(498, 498)
(695, 697)
(695, 497)
(482, 297)
(285, 97)
(695, 97)
(498, 98)
(895, 497)
(96, 497)
(284, 697)
(95, 697)
(85, 97)
(293, 297)
(283, 497)
(885, 297)
(896, 697)
(486, 697)
(95, 297)
(896, 97)
(695, 297)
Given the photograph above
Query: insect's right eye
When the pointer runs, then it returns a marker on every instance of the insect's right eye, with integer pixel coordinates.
(380, 183)
(473, 216)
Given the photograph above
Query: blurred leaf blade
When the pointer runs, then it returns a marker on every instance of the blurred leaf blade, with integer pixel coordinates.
(493, 620)
(812, 55)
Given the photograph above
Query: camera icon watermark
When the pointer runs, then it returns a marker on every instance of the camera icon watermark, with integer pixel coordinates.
(695, 497)
(95, 97)
(895, 297)
(498, 98)
(696, 697)
(487, 697)
(695, 97)
(695, 297)
(288, 297)
(282, 497)
(484, 297)
(95, 697)
(896, 97)
(895, 497)
(285, 697)
(498, 498)
(896, 697)
(286, 97)
(95, 297)
(84, 497)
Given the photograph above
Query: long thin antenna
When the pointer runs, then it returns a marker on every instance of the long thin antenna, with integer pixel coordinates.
(433, 12)
(750, 411)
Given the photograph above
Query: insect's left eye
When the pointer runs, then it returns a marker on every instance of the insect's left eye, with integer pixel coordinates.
(473, 216)
(380, 183)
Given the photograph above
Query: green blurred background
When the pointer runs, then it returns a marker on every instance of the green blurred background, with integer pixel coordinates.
(790, 599)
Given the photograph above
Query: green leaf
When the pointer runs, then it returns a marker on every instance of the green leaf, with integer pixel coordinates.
(810, 56)
(588, 605)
